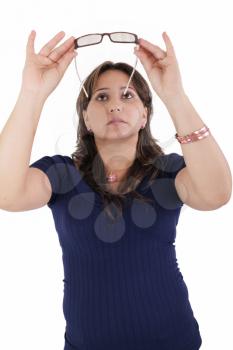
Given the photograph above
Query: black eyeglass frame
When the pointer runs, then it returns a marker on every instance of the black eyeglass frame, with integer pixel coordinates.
(109, 35)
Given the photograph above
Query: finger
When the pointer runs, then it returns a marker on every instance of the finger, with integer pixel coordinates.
(30, 43)
(57, 53)
(147, 59)
(46, 49)
(154, 49)
(66, 60)
(168, 43)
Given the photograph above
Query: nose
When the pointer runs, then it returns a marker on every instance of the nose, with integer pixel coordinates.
(112, 109)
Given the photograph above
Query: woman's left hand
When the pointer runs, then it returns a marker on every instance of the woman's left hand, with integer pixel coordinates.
(161, 67)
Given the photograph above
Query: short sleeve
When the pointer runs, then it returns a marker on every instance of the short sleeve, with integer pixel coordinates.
(50, 165)
(164, 189)
(170, 164)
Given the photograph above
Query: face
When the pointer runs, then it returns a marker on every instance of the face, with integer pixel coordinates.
(108, 103)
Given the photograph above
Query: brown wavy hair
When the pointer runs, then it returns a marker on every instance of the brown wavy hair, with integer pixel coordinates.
(87, 159)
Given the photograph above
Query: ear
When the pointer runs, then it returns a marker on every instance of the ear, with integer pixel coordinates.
(84, 115)
(85, 118)
(145, 114)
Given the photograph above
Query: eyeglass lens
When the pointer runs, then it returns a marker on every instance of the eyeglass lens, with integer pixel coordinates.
(96, 38)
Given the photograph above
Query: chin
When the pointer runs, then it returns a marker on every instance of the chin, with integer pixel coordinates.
(117, 135)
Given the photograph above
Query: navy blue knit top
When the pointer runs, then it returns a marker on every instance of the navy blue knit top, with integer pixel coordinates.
(123, 289)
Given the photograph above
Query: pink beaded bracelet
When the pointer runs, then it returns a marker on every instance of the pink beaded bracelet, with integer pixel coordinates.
(194, 136)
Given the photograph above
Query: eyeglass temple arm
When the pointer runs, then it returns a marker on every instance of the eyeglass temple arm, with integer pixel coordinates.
(131, 76)
(82, 83)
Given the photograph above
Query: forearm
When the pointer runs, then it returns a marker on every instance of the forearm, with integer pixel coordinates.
(16, 141)
(206, 164)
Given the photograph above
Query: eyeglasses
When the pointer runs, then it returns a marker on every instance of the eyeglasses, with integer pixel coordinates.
(96, 38)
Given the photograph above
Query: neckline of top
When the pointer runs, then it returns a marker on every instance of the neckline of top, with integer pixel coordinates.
(98, 199)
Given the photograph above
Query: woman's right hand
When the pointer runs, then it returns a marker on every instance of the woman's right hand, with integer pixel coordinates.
(40, 74)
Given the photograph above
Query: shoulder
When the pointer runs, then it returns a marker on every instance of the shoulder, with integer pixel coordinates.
(170, 164)
(49, 160)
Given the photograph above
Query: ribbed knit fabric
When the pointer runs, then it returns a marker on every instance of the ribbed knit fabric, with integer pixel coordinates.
(123, 289)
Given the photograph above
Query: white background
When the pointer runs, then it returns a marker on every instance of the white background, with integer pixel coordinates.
(31, 268)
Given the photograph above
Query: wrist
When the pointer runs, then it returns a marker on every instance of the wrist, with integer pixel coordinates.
(33, 95)
(178, 106)
(175, 100)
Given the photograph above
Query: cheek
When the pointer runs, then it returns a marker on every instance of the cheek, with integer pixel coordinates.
(96, 109)
(93, 113)
(135, 112)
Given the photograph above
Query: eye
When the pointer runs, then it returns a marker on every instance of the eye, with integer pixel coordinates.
(102, 95)
(128, 93)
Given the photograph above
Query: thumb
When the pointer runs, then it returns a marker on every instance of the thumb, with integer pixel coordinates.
(30, 43)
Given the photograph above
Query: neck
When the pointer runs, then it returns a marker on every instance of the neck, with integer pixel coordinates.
(117, 156)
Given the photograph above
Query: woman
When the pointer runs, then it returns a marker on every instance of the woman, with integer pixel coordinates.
(122, 284)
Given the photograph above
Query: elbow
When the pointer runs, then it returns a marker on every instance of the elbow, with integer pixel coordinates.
(219, 200)
(223, 196)
(226, 195)
(226, 198)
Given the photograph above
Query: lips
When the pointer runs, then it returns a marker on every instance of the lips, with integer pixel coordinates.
(115, 120)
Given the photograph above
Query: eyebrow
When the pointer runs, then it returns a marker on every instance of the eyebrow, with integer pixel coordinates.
(123, 87)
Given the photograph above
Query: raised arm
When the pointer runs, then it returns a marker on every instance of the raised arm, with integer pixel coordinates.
(41, 74)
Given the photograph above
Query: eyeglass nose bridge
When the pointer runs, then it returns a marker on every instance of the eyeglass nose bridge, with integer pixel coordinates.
(103, 34)
(109, 35)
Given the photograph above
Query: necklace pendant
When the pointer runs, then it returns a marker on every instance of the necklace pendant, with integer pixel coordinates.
(111, 177)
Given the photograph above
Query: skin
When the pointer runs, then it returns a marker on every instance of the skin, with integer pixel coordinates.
(116, 143)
